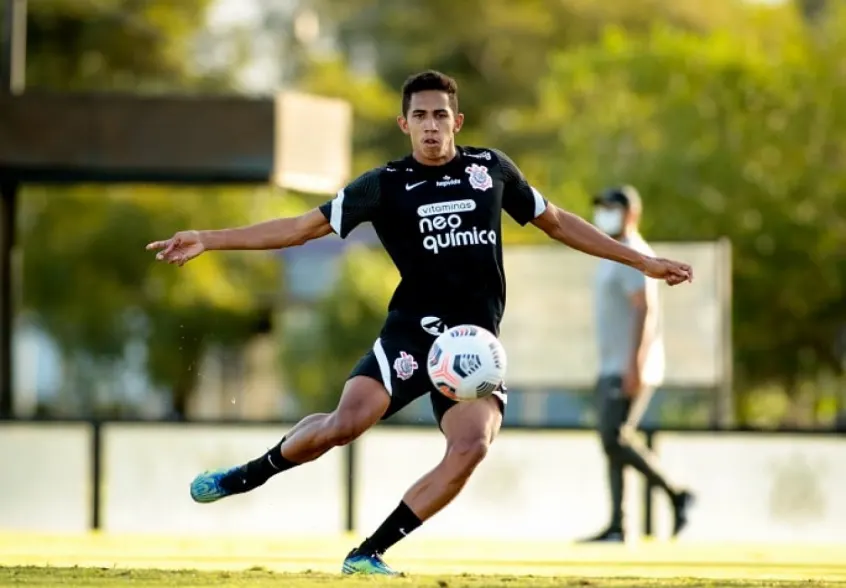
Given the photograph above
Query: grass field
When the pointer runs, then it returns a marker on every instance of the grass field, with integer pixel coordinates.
(154, 561)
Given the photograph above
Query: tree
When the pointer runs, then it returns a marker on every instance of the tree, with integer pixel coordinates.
(320, 352)
(117, 45)
(728, 115)
(498, 49)
(87, 280)
(89, 283)
(733, 138)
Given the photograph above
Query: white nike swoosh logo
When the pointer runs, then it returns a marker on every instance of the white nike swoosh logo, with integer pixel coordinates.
(410, 187)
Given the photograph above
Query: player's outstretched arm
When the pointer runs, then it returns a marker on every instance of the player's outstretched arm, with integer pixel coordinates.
(274, 234)
(579, 234)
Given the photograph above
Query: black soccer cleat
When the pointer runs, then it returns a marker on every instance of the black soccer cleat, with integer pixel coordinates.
(609, 535)
(682, 502)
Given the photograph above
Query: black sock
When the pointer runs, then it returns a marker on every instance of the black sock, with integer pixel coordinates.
(261, 469)
(399, 523)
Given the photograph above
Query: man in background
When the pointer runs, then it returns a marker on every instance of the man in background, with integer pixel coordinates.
(631, 359)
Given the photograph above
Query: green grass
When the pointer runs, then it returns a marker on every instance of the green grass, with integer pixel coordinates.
(142, 561)
(261, 578)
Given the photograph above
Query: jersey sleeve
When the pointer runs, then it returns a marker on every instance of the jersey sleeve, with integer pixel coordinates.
(354, 204)
(519, 198)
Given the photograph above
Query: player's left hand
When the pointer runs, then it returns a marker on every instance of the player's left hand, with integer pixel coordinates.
(672, 272)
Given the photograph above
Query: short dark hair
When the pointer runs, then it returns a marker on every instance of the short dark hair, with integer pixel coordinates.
(429, 80)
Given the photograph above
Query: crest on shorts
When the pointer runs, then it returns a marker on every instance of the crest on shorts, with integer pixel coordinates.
(480, 179)
(404, 365)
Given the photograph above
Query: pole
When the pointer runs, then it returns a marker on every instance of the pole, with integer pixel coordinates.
(8, 202)
(725, 414)
(12, 80)
(13, 56)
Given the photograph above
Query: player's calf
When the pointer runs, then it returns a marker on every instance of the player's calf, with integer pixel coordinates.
(429, 495)
(440, 486)
(362, 404)
(462, 457)
(470, 429)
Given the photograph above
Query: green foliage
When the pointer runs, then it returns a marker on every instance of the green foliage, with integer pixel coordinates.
(322, 344)
(89, 282)
(727, 115)
(115, 45)
(498, 49)
(726, 138)
(87, 279)
(374, 109)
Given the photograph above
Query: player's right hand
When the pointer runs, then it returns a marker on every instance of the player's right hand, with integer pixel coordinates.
(179, 249)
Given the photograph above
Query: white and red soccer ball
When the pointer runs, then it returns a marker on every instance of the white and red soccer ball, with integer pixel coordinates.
(466, 362)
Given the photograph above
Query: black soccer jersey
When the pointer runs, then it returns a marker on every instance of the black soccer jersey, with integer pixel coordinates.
(441, 225)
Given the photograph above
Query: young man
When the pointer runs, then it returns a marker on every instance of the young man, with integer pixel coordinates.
(631, 358)
(438, 213)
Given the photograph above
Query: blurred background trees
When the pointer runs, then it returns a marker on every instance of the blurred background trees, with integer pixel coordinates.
(729, 115)
(120, 323)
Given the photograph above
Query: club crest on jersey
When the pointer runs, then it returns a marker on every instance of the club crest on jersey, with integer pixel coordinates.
(405, 365)
(480, 179)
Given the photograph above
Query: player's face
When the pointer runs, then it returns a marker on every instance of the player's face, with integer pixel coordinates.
(431, 124)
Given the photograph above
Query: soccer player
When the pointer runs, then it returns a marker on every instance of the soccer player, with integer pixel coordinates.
(631, 358)
(438, 214)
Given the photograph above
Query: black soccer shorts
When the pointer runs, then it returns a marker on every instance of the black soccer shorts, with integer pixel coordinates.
(398, 360)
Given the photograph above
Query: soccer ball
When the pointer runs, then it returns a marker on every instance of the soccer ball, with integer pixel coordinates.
(466, 362)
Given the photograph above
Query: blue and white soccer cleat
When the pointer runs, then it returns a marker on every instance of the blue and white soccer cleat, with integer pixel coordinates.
(358, 563)
(212, 486)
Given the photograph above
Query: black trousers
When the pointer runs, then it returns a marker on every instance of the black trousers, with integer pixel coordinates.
(619, 417)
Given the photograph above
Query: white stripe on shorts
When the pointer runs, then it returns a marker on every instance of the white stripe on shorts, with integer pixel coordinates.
(384, 366)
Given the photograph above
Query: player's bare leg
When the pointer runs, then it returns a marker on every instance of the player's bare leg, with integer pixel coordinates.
(362, 404)
(470, 428)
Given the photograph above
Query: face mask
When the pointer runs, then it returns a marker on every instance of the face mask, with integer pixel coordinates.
(608, 221)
